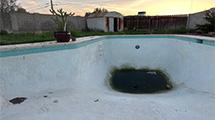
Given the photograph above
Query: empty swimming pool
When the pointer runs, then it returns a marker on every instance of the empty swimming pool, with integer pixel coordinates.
(70, 81)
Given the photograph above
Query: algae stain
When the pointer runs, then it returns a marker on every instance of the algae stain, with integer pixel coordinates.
(131, 80)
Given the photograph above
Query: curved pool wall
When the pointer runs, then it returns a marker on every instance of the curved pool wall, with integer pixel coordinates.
(84, 67)
(32, 73)
(185, 62)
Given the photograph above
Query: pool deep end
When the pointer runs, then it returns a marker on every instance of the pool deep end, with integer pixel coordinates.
(130, 80)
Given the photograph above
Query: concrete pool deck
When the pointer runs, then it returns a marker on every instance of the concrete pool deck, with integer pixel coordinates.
(71, 84)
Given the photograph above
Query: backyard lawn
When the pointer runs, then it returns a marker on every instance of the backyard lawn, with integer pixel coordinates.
(7, 39)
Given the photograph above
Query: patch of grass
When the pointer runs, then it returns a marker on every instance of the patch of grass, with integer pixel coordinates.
(170, 31)
(207, 35)
(8, 39)
(77, 33)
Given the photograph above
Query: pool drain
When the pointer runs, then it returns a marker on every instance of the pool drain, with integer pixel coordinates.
(139, 81)
(137, 46)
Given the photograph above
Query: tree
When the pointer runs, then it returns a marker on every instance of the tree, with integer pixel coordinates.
(61, 17)
(100, 10)
(7, 6)
(210, 25)
(96, 11)
(21, 10)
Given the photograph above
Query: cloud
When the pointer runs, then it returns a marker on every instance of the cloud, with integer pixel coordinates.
(28, 3)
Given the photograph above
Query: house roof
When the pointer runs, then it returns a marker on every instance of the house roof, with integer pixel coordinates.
(203, 12)
(105, 14)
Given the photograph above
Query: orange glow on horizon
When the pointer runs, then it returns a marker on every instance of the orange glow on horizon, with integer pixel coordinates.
(127, 7)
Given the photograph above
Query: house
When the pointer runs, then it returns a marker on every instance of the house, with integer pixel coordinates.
(106, 21)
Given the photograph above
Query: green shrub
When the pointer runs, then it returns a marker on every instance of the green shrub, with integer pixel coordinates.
(3, 32)
(181, 30)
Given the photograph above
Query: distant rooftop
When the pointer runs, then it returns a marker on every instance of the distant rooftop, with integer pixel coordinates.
(103, 14)
(212, 9)
(141, 13)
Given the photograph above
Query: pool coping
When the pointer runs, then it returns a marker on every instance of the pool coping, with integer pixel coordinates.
(46, 44)
(82, 39)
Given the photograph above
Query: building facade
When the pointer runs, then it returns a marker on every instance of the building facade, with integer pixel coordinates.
(107, 22)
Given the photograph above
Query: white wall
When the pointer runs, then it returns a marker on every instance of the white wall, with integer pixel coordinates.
(100, 24)
(1, 22)
(96, 24)
(111, 24)
(26, 22)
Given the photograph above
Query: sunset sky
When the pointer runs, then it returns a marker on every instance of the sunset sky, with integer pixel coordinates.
(126, 7)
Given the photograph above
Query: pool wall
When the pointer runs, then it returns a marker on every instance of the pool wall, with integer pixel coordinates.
(85, 68)
(27, 74)
(185, 62)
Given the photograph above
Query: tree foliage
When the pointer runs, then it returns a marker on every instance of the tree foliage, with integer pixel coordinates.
(21, 10)
(7, 6)
(100, 10)
(96, 11)
(210, 25)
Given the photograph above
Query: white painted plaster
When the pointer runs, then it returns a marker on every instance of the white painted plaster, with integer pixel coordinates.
(96, 23)
(77, 77)
(111, 24)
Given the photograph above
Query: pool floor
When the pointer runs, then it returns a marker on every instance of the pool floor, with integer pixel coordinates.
(182, 103)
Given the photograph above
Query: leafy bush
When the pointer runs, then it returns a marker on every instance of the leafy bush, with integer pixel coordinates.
(181, 30)
(3, 32)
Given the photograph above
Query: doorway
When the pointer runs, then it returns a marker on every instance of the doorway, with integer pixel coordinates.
(115, 25)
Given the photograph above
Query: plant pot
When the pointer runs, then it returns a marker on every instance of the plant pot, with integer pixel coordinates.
(73, 38)
(62, 36)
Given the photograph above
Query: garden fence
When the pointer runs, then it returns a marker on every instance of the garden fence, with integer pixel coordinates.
(154, 22)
